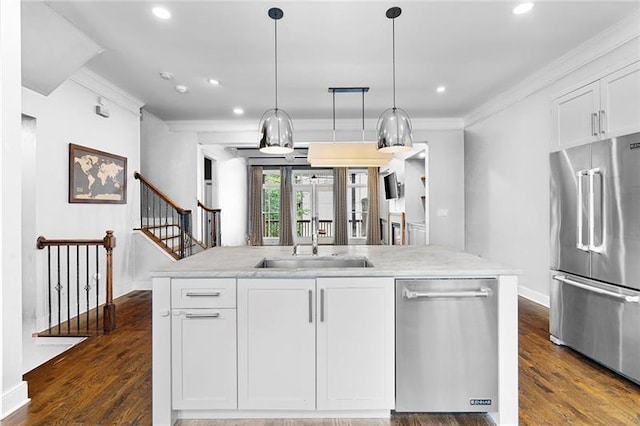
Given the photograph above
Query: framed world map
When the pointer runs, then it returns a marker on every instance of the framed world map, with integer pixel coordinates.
(96, 176)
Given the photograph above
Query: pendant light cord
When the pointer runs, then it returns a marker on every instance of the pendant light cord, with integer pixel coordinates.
(362, 115)
(334, 115)
(393, 36)
(276, 62)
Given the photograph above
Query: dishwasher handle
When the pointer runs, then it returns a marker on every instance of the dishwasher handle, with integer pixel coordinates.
(411, 294)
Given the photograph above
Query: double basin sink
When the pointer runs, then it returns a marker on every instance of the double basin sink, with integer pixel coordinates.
(314, 262)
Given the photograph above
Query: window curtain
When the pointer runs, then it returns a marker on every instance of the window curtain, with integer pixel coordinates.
(286, 206)
(254, 235)
(373, 216)
(341, 228)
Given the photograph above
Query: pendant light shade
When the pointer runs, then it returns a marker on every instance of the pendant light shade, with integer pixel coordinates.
(394, 125)
(276, 128)
(394, 131)
(276, 132)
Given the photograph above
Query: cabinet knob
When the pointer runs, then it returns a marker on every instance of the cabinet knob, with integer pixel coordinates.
(165, 313)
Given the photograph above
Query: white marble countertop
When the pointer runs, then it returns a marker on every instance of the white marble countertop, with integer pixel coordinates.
(388, 261)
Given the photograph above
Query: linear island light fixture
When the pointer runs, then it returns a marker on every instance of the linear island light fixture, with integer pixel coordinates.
(347, 154)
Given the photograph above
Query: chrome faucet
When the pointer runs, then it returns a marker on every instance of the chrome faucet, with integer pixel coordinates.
(314, 235)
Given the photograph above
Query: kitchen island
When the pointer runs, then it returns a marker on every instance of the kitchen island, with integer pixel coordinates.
(235, 336)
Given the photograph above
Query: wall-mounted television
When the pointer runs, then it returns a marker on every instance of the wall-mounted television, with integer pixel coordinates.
(390, 186)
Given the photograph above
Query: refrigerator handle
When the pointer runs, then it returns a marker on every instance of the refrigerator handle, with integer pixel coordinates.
(592, 211)
(579, 243)
(619, 296)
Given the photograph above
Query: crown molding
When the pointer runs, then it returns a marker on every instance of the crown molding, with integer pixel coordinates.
(104, 88)
(323, 125)
(623, 32)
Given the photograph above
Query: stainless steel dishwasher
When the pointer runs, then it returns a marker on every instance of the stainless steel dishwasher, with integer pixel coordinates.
(446, 345)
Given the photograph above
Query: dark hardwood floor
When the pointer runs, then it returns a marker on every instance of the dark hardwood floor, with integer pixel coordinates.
(106, 380)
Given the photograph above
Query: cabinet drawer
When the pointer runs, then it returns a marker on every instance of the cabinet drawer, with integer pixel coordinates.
(203, 293)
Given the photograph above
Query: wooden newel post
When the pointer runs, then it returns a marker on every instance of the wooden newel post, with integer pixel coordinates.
(109, 308)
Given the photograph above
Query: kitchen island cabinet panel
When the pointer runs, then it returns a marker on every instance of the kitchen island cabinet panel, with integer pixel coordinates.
(203, 361)
(276, 344)
(355, 343)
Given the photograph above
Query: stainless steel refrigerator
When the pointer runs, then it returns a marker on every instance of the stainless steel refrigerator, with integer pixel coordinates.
(595, 252)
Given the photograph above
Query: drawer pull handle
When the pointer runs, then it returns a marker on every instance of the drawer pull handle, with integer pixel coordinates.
(203, 294)
(216, 315)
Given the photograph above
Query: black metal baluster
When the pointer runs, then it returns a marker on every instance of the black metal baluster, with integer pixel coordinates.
(97, 287)
(58, 287)
(78, 287)
(49, 285)
(86, 286)
(68, 294)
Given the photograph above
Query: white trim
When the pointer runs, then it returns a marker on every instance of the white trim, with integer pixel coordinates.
(142, 285)
(14, 398)
(156, 246)
(59, 341)
(625, 31)
(104, 88)
(534, 296)
(281, 414)
(323, 125)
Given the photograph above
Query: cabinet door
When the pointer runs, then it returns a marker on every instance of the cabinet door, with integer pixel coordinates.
(356, 358)
(203, 361)
(276, 344)
(620, 110)
(576, 116)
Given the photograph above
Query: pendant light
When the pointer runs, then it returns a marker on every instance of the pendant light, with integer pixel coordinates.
(276, 128)
(394, 126)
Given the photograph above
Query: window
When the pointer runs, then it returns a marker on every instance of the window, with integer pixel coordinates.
(303, 183)
(271, 204)
(357, 203)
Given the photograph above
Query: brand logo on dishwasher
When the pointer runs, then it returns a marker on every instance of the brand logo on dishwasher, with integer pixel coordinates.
(480, 401)
(634, 145)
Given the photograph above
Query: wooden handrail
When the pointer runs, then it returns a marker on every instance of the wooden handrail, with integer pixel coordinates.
(161, 194)
(208, 209)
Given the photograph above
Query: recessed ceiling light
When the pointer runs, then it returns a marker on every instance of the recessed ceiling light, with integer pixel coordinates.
(522, 8)
(180, 88)
(213, 82)
(161, 12)
(238, 111)
(441, 89)
(166, 75)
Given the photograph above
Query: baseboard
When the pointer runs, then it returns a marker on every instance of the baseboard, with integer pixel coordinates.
(142, 285)
(14, 399)
(534, 296)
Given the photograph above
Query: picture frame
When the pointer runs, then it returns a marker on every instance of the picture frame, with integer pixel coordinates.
(96, 176)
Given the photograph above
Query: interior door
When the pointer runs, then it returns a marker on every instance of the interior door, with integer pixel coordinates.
(570, 210)
(616, 211)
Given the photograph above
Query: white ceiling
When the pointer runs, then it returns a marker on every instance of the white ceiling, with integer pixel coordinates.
(477, 49)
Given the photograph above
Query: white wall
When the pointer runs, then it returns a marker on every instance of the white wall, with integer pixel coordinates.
(231, 187)
(65, 116)
(169, 160)
(507, 177)
(14, 390)
(445, 179)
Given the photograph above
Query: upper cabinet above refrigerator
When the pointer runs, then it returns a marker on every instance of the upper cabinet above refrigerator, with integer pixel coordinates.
(601, 109)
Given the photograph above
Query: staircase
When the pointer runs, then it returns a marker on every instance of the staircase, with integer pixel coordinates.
(166, 223)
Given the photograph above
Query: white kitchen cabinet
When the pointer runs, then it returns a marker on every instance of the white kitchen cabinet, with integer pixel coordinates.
(604, 108)
(355, 343)
(621, 101)
(576, 114)
(203, 359)
(276, 344)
